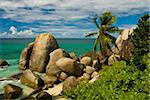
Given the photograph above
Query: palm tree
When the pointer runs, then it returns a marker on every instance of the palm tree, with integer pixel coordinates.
(104, 39)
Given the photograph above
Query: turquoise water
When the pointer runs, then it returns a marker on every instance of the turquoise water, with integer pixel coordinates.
(11, 48)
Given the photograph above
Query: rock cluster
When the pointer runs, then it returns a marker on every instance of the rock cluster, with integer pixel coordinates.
(123, 49)
(50, 70)
(124, 45)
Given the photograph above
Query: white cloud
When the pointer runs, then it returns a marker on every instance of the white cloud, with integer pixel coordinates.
(14, 33)
(65, 8)
(65, 12)
(13, 30)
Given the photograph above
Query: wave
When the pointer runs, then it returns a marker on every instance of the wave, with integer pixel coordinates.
(11, 69)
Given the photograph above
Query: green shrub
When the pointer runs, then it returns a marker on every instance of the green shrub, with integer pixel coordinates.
(119, 81)
(141, 37)
(141, 41)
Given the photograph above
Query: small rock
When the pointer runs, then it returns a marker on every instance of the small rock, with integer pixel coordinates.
(91, 54)
(56, 90)
(87, 61)
(94, 79)
(3, 63)
(30, 79)
(79, 79)
(44, 96)
(89, 69)
(113, 58)
(62, 76)
(86, 76)
(50, 80)
(94, 74)
(12, 91)
(97, 65)
(70, 83)
(70, 66)
(74, 56)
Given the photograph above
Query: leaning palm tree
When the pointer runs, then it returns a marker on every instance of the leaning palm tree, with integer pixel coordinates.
(104, 39)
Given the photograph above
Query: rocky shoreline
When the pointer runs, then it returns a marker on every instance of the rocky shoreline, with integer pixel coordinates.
(48, 70)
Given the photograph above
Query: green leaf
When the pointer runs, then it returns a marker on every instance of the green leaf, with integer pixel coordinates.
(111, 38)
(95, 21)
(91, 34)
(112, 29)
(95, 44)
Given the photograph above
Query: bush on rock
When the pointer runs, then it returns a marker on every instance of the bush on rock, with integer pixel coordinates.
(119, 81)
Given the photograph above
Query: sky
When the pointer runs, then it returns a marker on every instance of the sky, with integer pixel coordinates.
(64, 18)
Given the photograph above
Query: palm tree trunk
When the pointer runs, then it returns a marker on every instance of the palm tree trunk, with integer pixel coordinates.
(102, 45)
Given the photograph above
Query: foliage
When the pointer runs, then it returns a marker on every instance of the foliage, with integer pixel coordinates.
(119, 81)
(104, 40)
(141, 41)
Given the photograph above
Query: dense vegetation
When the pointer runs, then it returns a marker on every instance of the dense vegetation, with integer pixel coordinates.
(123, 81)
(141, 41)
(119, 81)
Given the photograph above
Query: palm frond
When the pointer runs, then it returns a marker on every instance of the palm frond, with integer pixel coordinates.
(112, 39)
(112, 29)
(95, 21)
(91, 34)
(111, 20)
(96, 43)
(109, 47)
(107, 18)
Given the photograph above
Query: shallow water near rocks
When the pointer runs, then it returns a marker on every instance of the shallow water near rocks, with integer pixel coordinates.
(10, 50)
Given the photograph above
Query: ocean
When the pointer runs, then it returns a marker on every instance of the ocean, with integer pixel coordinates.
(10, 50)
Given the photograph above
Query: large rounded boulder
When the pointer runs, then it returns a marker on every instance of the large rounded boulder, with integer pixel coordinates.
(70, 66)
(25, 57)
(124, 45)
(57, 54)
(44, 44)
(51, 68)
(32, 80)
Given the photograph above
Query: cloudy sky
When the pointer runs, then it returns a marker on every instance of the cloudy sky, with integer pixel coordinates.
(64, 18)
